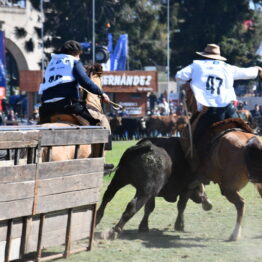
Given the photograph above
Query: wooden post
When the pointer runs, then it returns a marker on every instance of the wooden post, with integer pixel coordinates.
(40, 235)
(24, 237)
(77, 147)
(16, 156)
(68, 234)
(8, 240)
(92, 227)
(30, 155)
(49, 153)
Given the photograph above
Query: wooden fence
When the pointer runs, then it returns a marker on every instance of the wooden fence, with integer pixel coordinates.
(46, 204)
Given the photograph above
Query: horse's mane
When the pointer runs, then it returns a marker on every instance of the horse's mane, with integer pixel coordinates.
(95, 69)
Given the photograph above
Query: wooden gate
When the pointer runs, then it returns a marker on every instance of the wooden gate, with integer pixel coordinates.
(46, 204)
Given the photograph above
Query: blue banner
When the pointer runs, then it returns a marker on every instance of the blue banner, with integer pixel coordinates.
(119, 56)
(110, 43)
(2, 61)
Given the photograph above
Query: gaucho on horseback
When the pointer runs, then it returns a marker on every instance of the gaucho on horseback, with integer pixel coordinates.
(209, 94)
(60, 88)
(60, 91)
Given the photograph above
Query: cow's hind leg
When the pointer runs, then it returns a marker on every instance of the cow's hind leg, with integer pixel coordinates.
(149, 207)
(259, 188)
(239, 203)
(113, 187)
(181, 206)
(133, 206)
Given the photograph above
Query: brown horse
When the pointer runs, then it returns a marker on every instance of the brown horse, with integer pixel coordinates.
(233, 160)
(60, 153)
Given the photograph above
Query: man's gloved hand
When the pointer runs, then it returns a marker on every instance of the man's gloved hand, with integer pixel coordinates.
(105, 98)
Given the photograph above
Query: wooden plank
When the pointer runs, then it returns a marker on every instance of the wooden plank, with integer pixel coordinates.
(17, 208)
(19, 139)
(67, 200)
(70, 167)
(54, 233)
(16, 239)
(16, 191)
(69, 183)
(81, 221)
(19, 173)
(61, 137)
(2, 250)
(3, 230)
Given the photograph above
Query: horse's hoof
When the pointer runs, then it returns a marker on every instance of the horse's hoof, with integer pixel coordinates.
(207, 205)
(109, 234)
(233, 238)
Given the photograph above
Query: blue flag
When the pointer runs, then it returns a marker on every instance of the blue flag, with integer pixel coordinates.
(119, 56)
(2, 61)
(110, 43)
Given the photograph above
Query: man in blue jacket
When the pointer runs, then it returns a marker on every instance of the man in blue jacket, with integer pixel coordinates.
(60, 88)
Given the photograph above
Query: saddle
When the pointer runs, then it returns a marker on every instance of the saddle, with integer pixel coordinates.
(71, 119)
(219, 129)
(227, 125)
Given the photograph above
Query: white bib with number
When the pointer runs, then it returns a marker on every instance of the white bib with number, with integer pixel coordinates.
(212, 83)
(58, 71)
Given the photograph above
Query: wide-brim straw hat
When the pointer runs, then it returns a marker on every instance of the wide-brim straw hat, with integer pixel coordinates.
(212, 51)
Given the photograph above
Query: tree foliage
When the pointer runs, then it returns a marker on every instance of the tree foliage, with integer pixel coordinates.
(219, 22)
(193, 24)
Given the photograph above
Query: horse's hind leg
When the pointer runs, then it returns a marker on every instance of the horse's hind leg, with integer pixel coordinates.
(113, 187)
(149, 207)
(239, 203)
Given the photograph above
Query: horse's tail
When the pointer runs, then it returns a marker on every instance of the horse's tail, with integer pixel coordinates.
(253, 157)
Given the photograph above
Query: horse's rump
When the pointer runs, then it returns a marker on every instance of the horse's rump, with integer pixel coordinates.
(253, 156)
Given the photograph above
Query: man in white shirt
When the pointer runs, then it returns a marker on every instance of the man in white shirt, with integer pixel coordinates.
(211, 80)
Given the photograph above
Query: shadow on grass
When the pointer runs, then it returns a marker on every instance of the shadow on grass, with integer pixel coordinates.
(156, 238)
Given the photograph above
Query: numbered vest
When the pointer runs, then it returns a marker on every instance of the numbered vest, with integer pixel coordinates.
(212, 83)
(58, 71)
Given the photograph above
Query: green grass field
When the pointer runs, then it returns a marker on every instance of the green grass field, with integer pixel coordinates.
(204, 239)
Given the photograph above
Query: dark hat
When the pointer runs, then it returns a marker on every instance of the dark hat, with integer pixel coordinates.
(71, 47)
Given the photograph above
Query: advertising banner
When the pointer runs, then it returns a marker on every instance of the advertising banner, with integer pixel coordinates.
(2, 61)
(2, 65)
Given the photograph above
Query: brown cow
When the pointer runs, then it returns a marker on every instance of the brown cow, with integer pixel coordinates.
(161, 125)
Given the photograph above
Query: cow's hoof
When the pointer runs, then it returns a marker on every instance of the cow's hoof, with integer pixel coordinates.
(179, 227)
(143, 229)
(109, 235)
